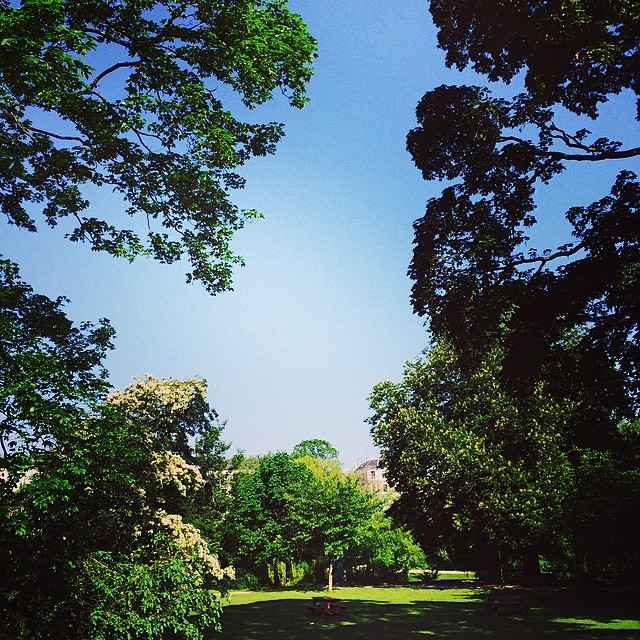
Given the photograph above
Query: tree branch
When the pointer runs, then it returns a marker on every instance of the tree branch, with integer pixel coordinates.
(29, 131)
(54, 135)
(139, 135)
(560, 155)
(106, 38)
(549, 258)
(595, 157)
(111, 69)
(4, 449)
(570, 141)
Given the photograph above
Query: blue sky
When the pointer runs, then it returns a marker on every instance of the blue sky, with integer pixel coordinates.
(321, 311)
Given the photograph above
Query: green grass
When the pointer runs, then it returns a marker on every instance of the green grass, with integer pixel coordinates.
(386, 613)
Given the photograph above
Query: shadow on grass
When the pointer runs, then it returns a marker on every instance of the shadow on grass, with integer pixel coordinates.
(584, 616)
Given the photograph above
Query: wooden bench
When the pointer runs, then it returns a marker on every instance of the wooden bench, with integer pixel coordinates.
(505, 603)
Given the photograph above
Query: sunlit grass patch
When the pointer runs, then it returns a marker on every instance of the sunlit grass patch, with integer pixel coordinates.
(389, 613)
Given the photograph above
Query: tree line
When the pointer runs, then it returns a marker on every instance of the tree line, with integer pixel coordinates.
(123, 514)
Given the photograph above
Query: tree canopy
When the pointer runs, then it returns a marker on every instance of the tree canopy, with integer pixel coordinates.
(315, 448)
(477, 276)
(130, 97)
(111, 504)
(475, 466)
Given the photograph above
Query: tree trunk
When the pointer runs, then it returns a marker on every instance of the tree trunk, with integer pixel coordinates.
(531, 564)
(330, 587)
(262, 572)
(276, 574)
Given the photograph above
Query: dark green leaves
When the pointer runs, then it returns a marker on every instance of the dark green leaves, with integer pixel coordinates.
(478, 276)
(50, 370)
(472, 462)
(572, 53)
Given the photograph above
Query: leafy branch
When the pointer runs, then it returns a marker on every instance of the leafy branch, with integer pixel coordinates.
(111, 69)
(544, 259)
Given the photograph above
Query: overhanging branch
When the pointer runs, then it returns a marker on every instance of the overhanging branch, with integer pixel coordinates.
(543, 260)
(594, 157)
(590, 156)
(111, 69)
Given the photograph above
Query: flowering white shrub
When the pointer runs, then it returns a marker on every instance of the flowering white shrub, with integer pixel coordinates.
(171, 469)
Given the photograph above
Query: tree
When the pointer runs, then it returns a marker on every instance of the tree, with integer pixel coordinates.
(261, 526)
(476, 467)
(602, 512)
(92, 545)
(94, 506)
(292, 511)
(50, 370)
(330, 515)
(184, 432)
(474, 274)
(148, 122)
(384, 552)
(315, 448)
(175, 411)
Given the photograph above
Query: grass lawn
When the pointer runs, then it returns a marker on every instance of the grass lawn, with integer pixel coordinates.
(444, 611)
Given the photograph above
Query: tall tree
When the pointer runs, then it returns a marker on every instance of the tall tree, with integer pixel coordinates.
(130, 96)
(94, 536)
(477, 468)
(476, 274)
(261, 526)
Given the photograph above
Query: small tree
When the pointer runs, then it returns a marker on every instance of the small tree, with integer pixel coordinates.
(384, 551)
(330, 515)
(289, 511)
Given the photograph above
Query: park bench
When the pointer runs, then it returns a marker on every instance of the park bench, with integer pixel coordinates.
(506, 603)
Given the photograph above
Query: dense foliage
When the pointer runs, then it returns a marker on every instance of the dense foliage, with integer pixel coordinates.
(477, 468)
(50, 370)
(303, 519)
(129, 97)
(96, 492)
(261, 526)
(384, 552)
(477, 275)
(111, 505)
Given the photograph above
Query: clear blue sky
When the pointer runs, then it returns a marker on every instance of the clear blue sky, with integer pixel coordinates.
(321, 311)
